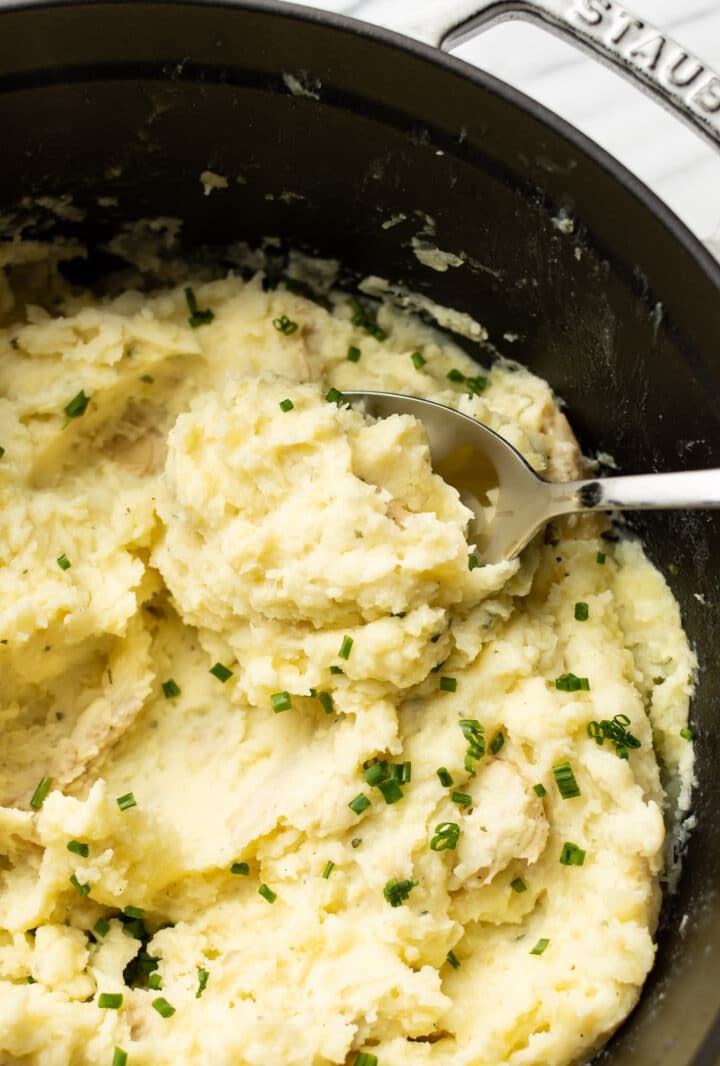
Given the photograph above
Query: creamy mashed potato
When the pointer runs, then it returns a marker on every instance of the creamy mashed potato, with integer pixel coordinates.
(285, 778)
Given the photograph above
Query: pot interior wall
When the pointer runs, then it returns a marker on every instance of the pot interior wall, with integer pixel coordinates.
(123, 105)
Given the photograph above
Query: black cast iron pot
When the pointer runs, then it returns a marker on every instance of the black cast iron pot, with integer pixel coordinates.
(132, 100)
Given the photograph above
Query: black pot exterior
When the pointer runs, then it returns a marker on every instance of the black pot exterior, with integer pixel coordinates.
(326, 130)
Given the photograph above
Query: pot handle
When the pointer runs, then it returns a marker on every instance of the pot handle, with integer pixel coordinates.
(679, 80)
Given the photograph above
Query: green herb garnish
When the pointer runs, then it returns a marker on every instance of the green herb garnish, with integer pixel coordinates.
(453, 960)
(163, 1008)
(518, 885)
(600, 558)
(126, 802)
(63, 562)
(448, 684)
(241, 868)
(462, 799)
(286, 405)
(334, 396)
(345, 647)
(285, 325)
(119, 1057)
(197, 317)
(446, 837)
(101, 927)
(40, 794)
(540, 790)
(222, 673)
(686, 733)
(445, 776)
(329, 867)
(359, 804)
(110, 1000)
(565, 780)
(418, 360)
(540, 946)
(473, 562)
(202, 981)
(280, 701)
(267, 893)
(78, 848)
(170, 689)
(396, 892)
(391, 790)
(497, 742)
(353, 354)
(572, 855)
(82, 890)
(77, 406)
(571, 683)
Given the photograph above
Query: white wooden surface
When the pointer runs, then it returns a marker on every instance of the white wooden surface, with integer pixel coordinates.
(677, 164)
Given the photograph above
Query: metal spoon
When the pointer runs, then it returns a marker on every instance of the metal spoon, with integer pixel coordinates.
(511, 503)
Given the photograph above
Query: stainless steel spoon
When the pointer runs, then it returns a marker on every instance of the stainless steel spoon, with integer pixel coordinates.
(510, 501)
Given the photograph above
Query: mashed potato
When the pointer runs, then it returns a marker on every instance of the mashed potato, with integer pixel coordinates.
(285, 778)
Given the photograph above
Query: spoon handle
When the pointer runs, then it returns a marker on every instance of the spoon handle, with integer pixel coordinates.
(690, 489)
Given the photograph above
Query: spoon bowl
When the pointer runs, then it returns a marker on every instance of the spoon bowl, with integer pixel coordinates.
(511, 503)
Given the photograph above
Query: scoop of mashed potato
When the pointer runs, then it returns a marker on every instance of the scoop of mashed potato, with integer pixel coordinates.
(284, 776)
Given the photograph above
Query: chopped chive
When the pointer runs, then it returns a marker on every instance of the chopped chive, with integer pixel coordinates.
(78, 848)
(286, 405)
(572, 855)
(346, 647)
(101, 927)
(302, 288)
(163, 1008)
(582, 612)
(476, 385)
(565, 780)
(455, 374)
(30, 980)
(462, 799)
(418, 359)
(356, 842)
(119, 1057)
(391, 790)
(148, 379)
(445, 776)
(336, 670)
(110, 1000)
(473, 562)
(474, 733)
(241, 868)
(396, 892)
(82, 890)
(126, 802)
(155, 982)
(77, 406)
(134, 912)
(376, 772)
(280, 701)
(360, 317)
(401, 772)
(285, 325)
(453, 960)
(540, 946)
(518, 885)
(497, 742)
(672, 568)
(616, 732)
(326, 702)
(686, 734)
(2, 451)
(600, 558)
(267, 893)
(202, 981)
(40, 794)
(366, 1058)
(170, 689)
(222, 673)
(540, 790)
(448, 684)
(446, 837)
(63, 562)
(354, 354)
(330, 866)
(359, 804)
(334, 396)
(197, 317)
(571, 683)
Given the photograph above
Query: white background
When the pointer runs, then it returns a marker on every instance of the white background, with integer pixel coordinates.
(675, 162)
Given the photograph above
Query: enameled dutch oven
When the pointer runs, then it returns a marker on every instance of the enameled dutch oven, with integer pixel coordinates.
(326, 129)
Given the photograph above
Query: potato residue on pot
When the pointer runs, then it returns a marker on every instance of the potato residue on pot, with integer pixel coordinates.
(285, 777)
